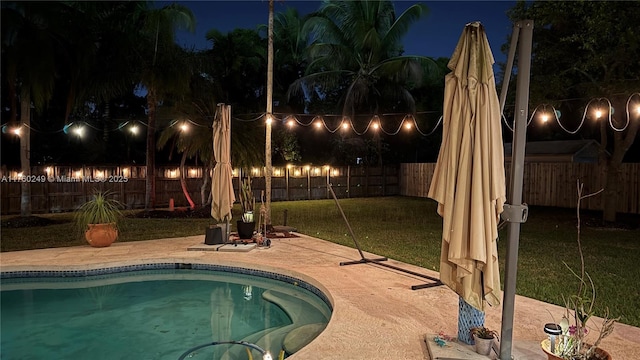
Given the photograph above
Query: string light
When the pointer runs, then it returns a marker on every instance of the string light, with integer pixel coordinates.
(78, 130)
(598, 108)
(598, 113)
(544, 117)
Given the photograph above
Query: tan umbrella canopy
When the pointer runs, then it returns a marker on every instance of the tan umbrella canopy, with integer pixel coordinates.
(221, 180)
(469, 181)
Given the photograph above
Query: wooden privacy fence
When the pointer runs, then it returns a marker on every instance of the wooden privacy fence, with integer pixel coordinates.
(59, 189)
(547, 184)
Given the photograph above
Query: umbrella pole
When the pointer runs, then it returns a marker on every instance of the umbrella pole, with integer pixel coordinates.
(515, 212)
(364, 260)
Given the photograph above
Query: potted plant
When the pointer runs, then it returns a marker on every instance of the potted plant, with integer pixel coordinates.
(246, 224)
(483, 339)
(99, 219)
(571, 342)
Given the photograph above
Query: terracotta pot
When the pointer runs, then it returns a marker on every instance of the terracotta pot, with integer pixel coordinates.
(599, 354)
(101, 235)
(483, 346)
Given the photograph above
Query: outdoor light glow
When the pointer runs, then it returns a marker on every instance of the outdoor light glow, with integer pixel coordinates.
(289, 166)
(375, 126)
(544, 117)
(269, 119)
(276, 172)
(173, 173)
(48, 170)
(17, 131)
(638, 109)
(316, 171)
(134, 129)
(318, 124)
(78, 130)
(255, 171)
(327, 167)
(335, 172)
(291, 123)
(193, 172)
(407, 126)
(267, 356)
(20, 174)
(296, 172)
(345, 125)
(307, 167)
(78, 173)
(125, 172)
(234, 172)
(184, 127)
(100, 174)
(598, 113)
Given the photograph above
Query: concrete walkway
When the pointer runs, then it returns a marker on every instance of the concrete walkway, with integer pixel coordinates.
(376, 314)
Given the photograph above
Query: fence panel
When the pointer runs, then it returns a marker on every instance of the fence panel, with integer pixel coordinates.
(547, 184)
(69, 186)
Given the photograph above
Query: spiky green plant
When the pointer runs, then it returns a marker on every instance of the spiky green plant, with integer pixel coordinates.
(100, 209)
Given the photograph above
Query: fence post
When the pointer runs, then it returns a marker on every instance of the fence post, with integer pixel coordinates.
(286, 181)
(348, 181)
(328, 181)
(308, 183)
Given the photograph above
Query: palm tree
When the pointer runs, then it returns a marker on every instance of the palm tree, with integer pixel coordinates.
(290, 45)
(162, 72)
(356, 49)
(29, 44)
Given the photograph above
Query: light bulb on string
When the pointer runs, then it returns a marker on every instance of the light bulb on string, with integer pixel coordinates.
(17, 130)
(269, 119)
(407, 126)
(598, 113)
(291, 123)
(184, 127)
(375, 126)
(318, 124)
(78, 130)
(544, 117)
(133, 129)
(345, 126)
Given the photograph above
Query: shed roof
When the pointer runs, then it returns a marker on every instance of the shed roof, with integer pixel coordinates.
(578, 151)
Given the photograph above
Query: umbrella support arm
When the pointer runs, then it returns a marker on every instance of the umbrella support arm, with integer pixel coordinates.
(364, 260)
(515, 213)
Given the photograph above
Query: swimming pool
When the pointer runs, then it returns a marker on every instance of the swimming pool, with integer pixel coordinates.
(156, 311)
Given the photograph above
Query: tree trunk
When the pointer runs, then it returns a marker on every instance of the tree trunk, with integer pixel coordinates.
(267, 152)
(611, 192)
(150, 188)
(25, 154)
(622, 141)
(183, 182)
(205, 190)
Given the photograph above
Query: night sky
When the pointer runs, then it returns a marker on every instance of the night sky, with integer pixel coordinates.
(435, 35)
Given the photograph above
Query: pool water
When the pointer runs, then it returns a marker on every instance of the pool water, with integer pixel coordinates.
(152, 314)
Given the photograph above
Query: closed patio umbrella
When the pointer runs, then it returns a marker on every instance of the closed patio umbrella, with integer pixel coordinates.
(469, 178)
(221, 180)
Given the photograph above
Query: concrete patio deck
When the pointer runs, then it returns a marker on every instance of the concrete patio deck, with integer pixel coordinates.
(376, 314)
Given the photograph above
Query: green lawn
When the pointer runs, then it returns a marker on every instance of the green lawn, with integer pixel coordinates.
(409, 230)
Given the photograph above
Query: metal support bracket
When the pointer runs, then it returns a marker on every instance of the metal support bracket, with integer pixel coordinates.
(515, 213)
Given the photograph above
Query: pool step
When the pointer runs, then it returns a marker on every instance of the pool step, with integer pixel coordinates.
(291, 305)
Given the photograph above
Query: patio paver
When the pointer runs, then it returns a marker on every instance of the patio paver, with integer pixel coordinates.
(376, 314)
